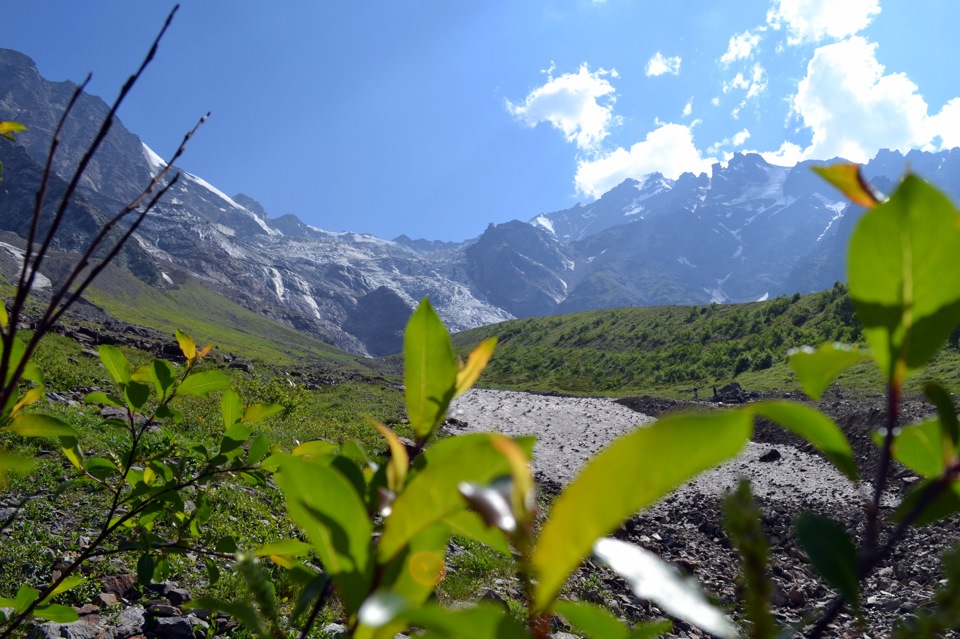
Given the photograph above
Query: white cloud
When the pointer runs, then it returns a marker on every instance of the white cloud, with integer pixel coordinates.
(810, 21)
(736, 140)
(688, 108)
(854, 109)
(789, 154)
(668, 149)
(741, 46)
(660, 64)
(754, 83)
(946, 124)
(579, 104)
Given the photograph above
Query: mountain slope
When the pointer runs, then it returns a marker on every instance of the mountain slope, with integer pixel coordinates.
(746, 231)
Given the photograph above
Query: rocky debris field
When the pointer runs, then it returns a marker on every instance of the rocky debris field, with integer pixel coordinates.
(686, 528)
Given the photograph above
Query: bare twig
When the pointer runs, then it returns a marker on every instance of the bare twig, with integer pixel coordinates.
(63, 299)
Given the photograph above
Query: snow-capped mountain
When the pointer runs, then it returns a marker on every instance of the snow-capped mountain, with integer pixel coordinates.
(747, 231)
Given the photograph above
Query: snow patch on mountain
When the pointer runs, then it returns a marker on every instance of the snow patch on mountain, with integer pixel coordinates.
(155, 161)
(277, 282)
(40, 280)
(544, 222)
(312, 303)
(838, 208)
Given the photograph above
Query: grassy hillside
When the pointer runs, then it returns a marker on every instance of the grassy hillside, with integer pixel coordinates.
(671, 350)
(211, 317)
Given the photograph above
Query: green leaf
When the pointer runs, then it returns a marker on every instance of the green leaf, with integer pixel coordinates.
(231, 408)
(471, 525)
(226, 545)
(10, 463)
(591, 620)
(651, 629)
(314, 449)
(923, 448)
(259, 412)
(187, 346)
(903, 278)
(39, 425)
(164, 376)
(310, 593)
(815, 369)
(849, 180)
(204, 383)
(940, 398)
(326, 506)
(469, 373)
(258, 450)
(430, 370)
(235, 437)
(945, 504)
(4, 319)
(655, 580)
(145, 568)
(816, 428)
(115, 363)
(56, 613)
(25, 596)
(136, 394)
(831, 552)
(244, 613)
(483, 621)
(415, 573)
(631, 473)
(70, 447)
(213, 572)
(67, 584)
(99, 397)
(432, 494)
(7, 129)
(293, 547)
(354, 450)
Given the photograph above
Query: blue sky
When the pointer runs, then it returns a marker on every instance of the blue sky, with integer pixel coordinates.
(434, 118)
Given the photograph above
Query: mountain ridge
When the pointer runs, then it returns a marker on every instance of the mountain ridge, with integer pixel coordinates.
(748, 230)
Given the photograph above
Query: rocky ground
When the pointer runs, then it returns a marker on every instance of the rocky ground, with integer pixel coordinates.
(787, 478)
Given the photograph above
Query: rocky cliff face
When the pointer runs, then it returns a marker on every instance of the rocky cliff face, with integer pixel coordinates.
(315, 281)
(746, 231)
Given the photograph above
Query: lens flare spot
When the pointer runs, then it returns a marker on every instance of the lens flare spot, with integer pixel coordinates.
(426, 568)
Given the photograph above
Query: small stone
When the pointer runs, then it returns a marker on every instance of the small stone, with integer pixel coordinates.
(129, 622)
(162, 609)
(179, 627)
(177, 596)
(106, 599)
(908, 606)
(796, 597)
(771, 455)
(119, 584)
(334, 630)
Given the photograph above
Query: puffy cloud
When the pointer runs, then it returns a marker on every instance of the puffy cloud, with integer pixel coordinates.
(668, 149)
(688, 108)
(579, 104)
(741, 46)
(736, 140)
(789, 154)
(854, 109)
(811, 21)
(660, 64)
(946, 124)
